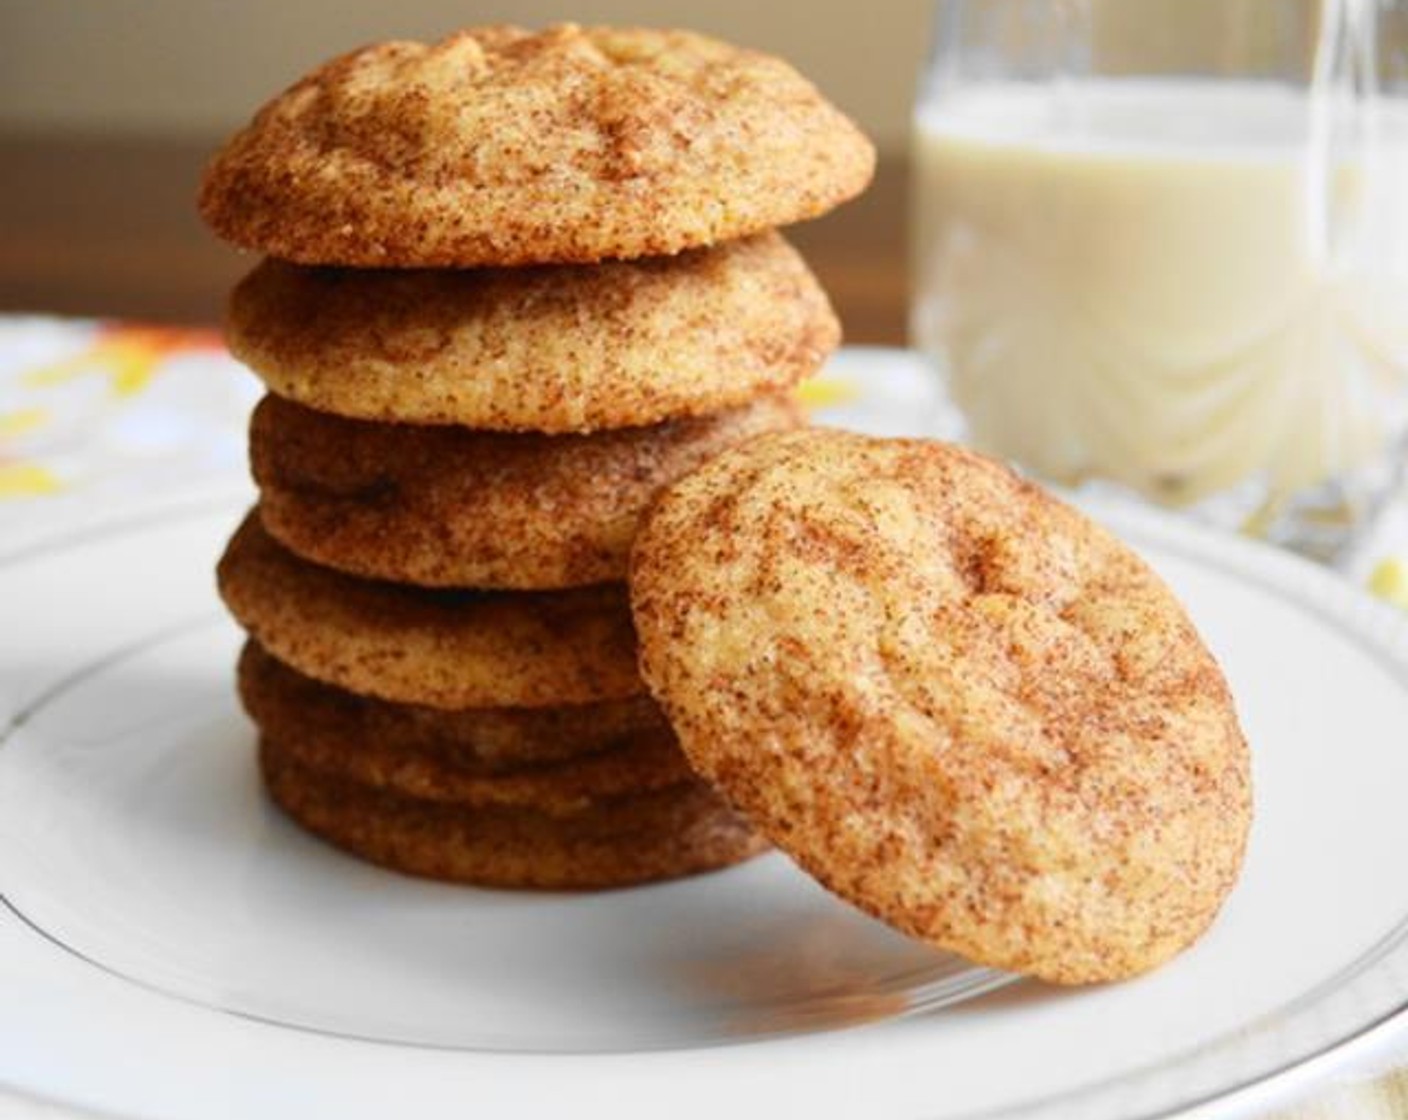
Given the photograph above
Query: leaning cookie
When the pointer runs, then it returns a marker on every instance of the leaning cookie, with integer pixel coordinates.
(414, 645)
(454, 507)
(954, 700)
(617, 345)
(682, 830)
(338, 734)
(501, 146)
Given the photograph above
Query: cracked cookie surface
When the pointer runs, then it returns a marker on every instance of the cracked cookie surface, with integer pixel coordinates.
(557, 350)
(680, 830)
(617, 748)
(503, 146)
(431, 646)
(954, 700)
(455, 507)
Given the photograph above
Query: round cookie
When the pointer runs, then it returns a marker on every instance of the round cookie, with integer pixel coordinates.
(443, 649)
(615, 345)
(453, 507)
(682, 830)
(502, 146)
(955, 701)
(340, 734)
(473, 741)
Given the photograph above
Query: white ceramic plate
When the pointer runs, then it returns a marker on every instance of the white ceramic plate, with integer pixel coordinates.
(169, 947)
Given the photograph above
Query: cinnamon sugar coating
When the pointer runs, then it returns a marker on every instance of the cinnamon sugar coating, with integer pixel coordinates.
(439, 648)
(502, 146)
(538, 349)
(954, 700)
(454, 507)
(618, 747)
(474, 741)
(681, 830)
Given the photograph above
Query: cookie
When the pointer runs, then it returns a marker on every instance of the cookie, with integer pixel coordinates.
(356, 738)
(541, 349)
(954, 700)
(474, 741)
(443, 649)
(681, 830)
(502, 146)
(453, 507)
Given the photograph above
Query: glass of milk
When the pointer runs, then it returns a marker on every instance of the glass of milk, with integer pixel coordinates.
(1162, 246)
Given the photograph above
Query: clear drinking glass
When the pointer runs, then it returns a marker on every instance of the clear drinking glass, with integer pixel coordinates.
(1162, 245)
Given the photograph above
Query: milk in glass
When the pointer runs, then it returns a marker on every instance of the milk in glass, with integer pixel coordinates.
(1185, 286)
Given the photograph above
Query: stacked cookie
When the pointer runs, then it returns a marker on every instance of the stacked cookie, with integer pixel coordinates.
(516, 284)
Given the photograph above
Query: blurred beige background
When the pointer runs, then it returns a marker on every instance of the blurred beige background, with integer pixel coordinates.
(195, 68)
(109, 108)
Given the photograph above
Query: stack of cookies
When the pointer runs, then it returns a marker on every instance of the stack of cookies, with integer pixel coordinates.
(517, 283)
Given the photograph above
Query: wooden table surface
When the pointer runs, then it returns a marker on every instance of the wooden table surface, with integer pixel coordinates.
(107, 227)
